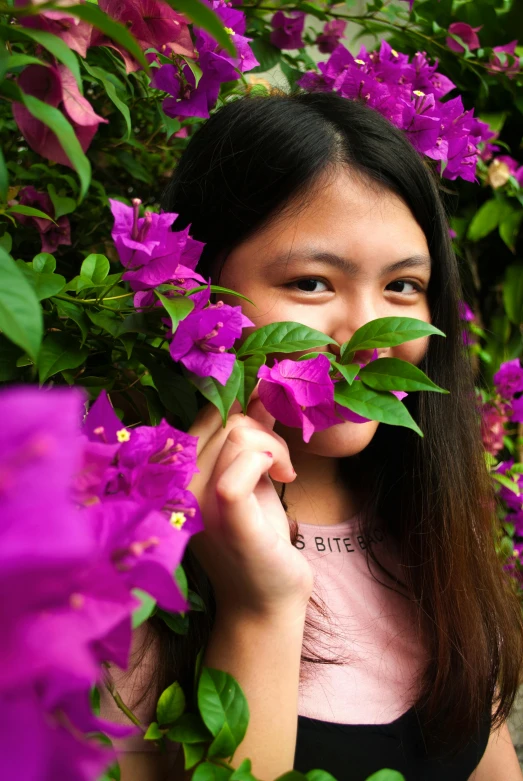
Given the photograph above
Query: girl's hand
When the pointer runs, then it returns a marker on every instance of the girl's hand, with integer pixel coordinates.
(246, 549)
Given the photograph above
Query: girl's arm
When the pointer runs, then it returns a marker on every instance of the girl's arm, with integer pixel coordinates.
(499, 762)
(263, 654)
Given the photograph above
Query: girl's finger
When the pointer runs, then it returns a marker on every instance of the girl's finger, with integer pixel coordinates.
(235, 493)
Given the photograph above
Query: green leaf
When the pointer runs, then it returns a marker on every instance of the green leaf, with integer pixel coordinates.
(513, 294)
(171, 704)
(214, 289)
(45, 285)
(292, 775)
(392, 374)
(95, 268)
(20, 311)
(222, 396)
(376, 405)
(55, 121)
(62, 204)
(348, 372)
(6, 242)
(386, 332)
(181, 580)
(386, 775)
(177, 308)
(112, 93)
(195, 70)
(29, 211)
(75, 313)
(319, 775)
(16, 61)
(284, 337)
(193, 753)
(249, 368)
(243, 772)
(59, 351)
(108, 322)
(153, 732)
(4, 179)
(114, 30)
(223, 745)
(56, 46)
(144, 612)
(509, 228)
(9, 356)
(176, 393)
(506, 482)
(94, 697)
(177, 622)
(266, 53)
(221, 701)
(189, 728)
(44, 262)
(486, 219)
(202, 16)
(209, 772)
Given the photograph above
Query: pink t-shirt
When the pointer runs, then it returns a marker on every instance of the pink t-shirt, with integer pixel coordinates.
(371, 626)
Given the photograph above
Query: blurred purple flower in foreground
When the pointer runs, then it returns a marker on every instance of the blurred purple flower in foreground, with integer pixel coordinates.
(508, 380)
(68, 568)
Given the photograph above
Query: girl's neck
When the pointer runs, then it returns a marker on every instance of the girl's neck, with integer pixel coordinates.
(318, 495)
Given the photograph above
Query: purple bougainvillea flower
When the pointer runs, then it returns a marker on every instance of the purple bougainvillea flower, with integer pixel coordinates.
(189, 100)
(234, 22)
(465, 312)
(510, 67)
(52, 234)
(73, 31)
(150, 250)
(511, 498)
(467, 34)
(299, 394)
(287, 30)
(330, 37)
(144, 548)
(508, 380)
(202, 338)
(56, 86)
(153, 23)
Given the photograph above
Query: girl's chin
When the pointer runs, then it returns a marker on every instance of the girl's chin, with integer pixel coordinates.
(345, 439)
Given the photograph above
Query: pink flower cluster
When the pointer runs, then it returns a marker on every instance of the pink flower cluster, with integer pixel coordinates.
(88, 515)
(189, 99)
(155, 25)
(408, 93)
(506, 406)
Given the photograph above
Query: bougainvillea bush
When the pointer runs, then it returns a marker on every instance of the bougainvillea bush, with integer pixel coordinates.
(110, 340)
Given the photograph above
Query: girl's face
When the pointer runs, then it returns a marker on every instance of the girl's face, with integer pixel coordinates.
(348, 254)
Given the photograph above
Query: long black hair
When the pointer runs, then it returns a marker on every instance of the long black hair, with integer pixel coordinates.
(249, 160)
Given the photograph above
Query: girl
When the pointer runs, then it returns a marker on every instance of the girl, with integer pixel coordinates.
(352, 585)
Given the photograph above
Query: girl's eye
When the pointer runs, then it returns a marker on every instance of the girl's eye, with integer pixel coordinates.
(404, 286)
(308, 285)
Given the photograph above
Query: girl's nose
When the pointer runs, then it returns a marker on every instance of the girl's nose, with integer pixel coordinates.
(350, 319)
